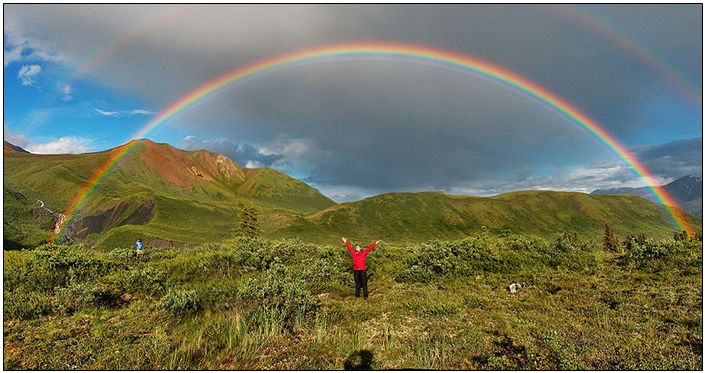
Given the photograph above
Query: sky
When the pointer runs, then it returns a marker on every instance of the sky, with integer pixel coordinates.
(81, 78)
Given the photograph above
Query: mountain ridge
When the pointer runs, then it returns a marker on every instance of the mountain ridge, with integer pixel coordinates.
(687, 191)
(8, 147)
(164, 194)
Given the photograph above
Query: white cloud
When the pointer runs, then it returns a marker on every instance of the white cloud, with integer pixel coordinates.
(254, 164)
(19, 48)
(583, 179)
(290, 154)
(67, 90)
(13, 137)
(106, 113)
(124, 113)
(342, 194)
(28, 74)
(288, 148)
(140, 112)
(62, 145)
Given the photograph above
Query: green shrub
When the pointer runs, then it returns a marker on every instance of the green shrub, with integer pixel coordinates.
(480, 253)
(25, 305)
(146, 280)
(82, 296)
(257, 254)
(180, 302)
(571, 253)
(430, 260)
(323, 274)
(649, 251)
(54, 266)
(281, 290)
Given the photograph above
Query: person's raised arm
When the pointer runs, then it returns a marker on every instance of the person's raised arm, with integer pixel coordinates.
(371, 247)
(345, 241)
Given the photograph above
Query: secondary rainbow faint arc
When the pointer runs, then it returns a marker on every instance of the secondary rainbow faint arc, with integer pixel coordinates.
(411, 52)
(637, 48)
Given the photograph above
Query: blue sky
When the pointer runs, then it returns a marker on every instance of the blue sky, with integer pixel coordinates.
(357, 129)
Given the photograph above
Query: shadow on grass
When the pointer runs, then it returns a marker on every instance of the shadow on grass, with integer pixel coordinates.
(359, 360)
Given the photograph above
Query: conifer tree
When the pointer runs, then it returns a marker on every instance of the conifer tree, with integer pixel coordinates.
(249, 225)
(680, 236)
(610, 242)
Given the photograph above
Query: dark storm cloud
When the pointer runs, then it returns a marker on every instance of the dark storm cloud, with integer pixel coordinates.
(173, 48)
(673, 159)
(439, 130)
(379, 126)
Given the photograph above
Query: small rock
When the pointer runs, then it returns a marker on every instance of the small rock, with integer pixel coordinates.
(515, 286)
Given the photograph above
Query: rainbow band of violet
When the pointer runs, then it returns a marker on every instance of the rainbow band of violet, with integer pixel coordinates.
(414, 53)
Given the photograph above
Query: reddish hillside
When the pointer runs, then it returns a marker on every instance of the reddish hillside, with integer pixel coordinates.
(183, 168)
(9, 148)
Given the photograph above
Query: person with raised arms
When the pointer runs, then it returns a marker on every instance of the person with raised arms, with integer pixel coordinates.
(359, 257)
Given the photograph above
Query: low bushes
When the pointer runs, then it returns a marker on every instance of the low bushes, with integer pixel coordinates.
(646, 252)
(179, 302)
(218, 308)
(280, 292)
(24, 305)
(82, 296)
(54, 266)
(507, 254)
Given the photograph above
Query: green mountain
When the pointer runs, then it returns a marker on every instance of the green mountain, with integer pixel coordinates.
(157, 192)
(403, 217)
(169, 196)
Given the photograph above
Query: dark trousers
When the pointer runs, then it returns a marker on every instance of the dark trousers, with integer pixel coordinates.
(360, 282)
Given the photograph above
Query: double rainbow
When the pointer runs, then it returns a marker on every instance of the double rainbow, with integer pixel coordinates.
(397, 52)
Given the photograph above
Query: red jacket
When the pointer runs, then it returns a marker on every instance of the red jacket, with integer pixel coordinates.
(359, 259)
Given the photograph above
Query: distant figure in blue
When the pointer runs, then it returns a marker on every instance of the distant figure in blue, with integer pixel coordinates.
(138, 245)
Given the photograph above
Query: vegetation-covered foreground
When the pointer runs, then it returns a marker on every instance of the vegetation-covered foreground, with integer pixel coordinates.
(259, 304)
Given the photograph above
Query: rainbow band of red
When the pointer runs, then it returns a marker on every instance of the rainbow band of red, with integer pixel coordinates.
(401, 52)
(90, 185)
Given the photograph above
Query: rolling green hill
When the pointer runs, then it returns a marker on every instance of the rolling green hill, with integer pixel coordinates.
(157, 192)
(26, 222)
(402, 217)
(162, 194)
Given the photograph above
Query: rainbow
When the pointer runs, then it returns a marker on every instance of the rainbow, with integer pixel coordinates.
(637, 48)
(111, 47)
(122, 40)
(397, 52)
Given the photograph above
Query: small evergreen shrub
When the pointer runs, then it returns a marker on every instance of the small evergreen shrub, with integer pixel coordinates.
(180, 302)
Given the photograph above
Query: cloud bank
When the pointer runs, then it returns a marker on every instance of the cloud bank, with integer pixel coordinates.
(359, 127)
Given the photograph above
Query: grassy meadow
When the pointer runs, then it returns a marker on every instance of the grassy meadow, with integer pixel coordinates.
(249, 303)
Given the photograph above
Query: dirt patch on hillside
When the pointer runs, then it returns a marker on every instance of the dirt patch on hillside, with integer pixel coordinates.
(125, 212)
